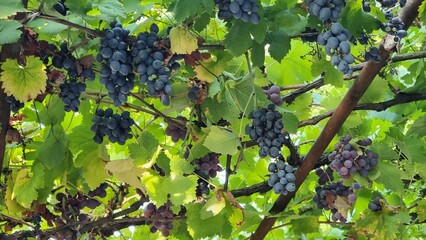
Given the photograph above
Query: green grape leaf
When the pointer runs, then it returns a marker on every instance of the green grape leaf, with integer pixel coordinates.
(181, 166)
(10, 7)
(181, 189)
(53, 113)
(225, 109)
(290, 122)
(145, 148)
(90, 156)
(112, 8)
(292, 69)
(126, 171)
(197, 226)
(238, 39)
(24, 82)
(422, 12)
(390, 177)
(418, 127)
(421, 210)
(222, 141)
(279, 44)
(25, 189)
(332, 75)
(304, 225)
(382, 226)
(357, 21)
(182, 41)
(53, 150)
(11, 204)
(257, 54)
(9, 32)
(186, 8)
(213, 207)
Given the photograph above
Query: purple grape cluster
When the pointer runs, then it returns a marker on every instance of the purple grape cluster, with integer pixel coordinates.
(266, 129)
(324, 176)
(337, 46)
(194, 92)
(373, 54)
(394, 27)
(63, 59)
(282, 177)
(70, 94)
(392, 3)
(113, 125)
(70, 206)
(150, 60)
(273, 94)
(366, 6)
(326, 196)
(346, 160)
(162, 218)
(326, 10)
(117, 69)
(15, 105)
(206, 167)
(375, 205)
(176, 132)
(245, 10)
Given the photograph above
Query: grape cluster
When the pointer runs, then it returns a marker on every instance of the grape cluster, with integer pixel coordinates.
(324, 176)
(71, 205)
(366, 6)
(273, 94)
(363, 39)
(15, 105)
(206, 167)
(326, 10)
(282, 177)
(346, 159)
(265, 129)
(194, 92)
(70, 94)
(375, 205)
(60, 7)
(372, 54)
(117, 69)
(113, 125)
(392, 3)
(326, 196)
(176, 132)
(63, 59)
(150, 61)
(246, 10)
(394, 27)
(337, 46)
(161, 218)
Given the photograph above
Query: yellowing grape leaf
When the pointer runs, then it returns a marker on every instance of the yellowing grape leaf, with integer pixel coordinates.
(208, 70)
(24, 82)
(25, 189)
(126, 171)
(182, 41)
(342, 205)
(11, 204)
(213, 207)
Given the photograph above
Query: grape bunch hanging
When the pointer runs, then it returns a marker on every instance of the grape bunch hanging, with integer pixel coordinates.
(15, 105)
(273, 94)
(245, 10)
(348, 159)
(113, 125)
(150, 54)
(282, 177)
(176, 132)
(337, 46)
(266, 129)
(206, 167)
(328, 195)
(161, 218)
(117, 69)
(326, 10)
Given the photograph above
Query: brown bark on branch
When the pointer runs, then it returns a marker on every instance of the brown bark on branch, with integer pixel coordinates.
(366, 76)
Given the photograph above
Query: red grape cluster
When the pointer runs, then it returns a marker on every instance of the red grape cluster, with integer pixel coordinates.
(324, 175)
(273, 94)
(176, 132)
(206, 167)
(346, 160)
(162, 218)
(70, 206)
(327, 195)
